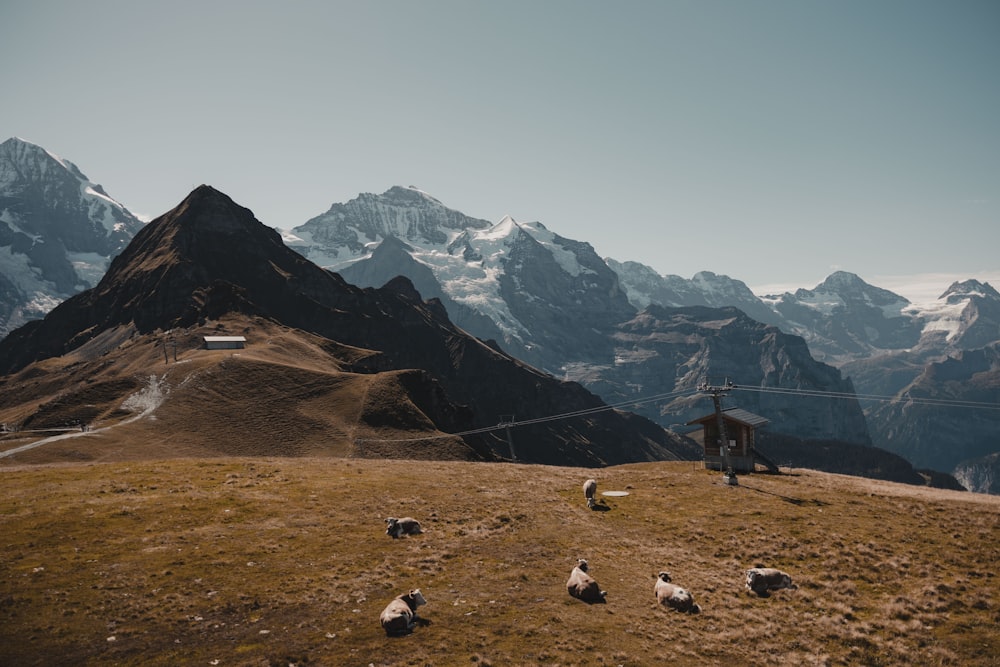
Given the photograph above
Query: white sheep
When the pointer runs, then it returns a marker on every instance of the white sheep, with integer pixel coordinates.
(761, 580)
(400, 615)
(582, 586)
(590, 492)
(673, 596)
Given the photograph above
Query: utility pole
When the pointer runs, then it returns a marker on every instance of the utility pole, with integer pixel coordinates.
(168, 339)
(507, 421)
(717, 392)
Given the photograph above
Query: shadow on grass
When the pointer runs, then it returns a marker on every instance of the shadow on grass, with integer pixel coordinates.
(801, 502)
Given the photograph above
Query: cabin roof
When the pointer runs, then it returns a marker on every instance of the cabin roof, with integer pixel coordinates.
(225, 339)
(734, 414)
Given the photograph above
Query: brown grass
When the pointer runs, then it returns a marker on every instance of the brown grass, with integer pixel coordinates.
(284, 395)
(277, 561)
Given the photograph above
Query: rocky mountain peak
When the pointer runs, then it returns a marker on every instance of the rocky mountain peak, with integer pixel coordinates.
(851, 287)
(966, 289)
(348, 231)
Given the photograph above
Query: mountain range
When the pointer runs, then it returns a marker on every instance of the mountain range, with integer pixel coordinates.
(645, 342)
(401, 376)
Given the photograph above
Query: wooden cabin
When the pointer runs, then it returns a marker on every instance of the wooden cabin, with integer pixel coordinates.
(740, 428)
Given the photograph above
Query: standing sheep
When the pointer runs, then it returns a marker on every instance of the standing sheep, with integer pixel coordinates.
(590, 492)
(582, 586)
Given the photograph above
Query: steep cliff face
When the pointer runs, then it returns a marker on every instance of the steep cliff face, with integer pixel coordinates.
(673, 350)
(980, 475)
(947, 414)
(58, 231)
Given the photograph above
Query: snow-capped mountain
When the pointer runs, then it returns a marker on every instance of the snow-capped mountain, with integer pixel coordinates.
(645, 286)
(553, 302)
(58, 231)
(515, 282)
(844, 316)
(965, 317)
(844, 319)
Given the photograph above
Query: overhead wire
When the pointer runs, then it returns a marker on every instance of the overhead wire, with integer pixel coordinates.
(540, 420)
(906, 398)
(810, 393)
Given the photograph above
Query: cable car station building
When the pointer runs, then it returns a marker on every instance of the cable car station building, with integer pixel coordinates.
(740, 426)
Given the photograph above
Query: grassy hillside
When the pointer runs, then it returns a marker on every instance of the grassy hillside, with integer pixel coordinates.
(276, 561)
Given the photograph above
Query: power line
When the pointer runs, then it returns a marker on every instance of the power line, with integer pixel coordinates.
(872, 397)
(810, 393)
(539, 420)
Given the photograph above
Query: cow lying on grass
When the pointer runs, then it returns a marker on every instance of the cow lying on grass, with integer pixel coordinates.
(762, 580)
(400, 615)
(396, 528)
(582, 586)
(673, 596)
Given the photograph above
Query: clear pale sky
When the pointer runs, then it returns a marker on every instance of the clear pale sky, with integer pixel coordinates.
(771, 141)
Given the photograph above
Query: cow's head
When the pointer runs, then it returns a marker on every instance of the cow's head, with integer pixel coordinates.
(664, 576)
(582, 564)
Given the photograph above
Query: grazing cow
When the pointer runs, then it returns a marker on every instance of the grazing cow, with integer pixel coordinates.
(582, 586)
(590, 492)
(760, 580)
(396, 528)
(399, 616)
(672, 596)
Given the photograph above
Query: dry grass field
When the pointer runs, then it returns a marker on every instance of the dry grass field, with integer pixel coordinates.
(284, 561)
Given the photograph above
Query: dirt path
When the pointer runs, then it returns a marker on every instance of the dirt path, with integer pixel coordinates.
(147, 400)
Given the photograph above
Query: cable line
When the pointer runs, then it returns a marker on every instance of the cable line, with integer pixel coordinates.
(538, 420)
(810, 393)
(872, 397)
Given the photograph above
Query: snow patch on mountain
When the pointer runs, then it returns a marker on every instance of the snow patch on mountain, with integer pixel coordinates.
(943, 316)
(90, 266)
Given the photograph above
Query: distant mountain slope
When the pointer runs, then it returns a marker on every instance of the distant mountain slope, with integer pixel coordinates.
(58, 231)
(209, 259)
(944, 426)
(672, 349)
(556, 304)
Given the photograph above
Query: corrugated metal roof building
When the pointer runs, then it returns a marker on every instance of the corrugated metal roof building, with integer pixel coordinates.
(225, 342)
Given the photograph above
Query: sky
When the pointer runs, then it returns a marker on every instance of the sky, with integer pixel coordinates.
(773, 141)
